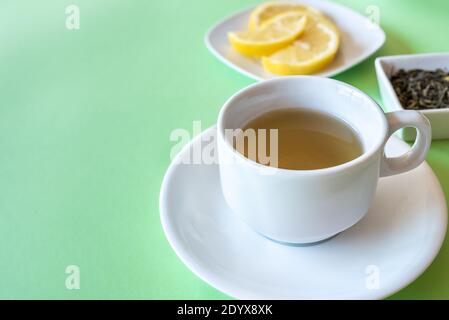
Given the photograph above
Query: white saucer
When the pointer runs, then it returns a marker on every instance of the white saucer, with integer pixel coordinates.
(387, 250)
(360, 38)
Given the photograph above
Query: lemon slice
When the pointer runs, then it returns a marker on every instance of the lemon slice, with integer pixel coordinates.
(269, 10)
(313, 51)
(276, 34)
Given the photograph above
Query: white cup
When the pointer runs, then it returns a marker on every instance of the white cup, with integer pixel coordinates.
(305, 206)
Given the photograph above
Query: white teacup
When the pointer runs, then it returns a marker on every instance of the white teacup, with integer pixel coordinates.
(304, 206)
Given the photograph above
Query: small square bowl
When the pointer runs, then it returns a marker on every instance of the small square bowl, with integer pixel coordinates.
(387, 66)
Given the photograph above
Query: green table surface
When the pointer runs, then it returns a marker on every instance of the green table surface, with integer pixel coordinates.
(85, 121)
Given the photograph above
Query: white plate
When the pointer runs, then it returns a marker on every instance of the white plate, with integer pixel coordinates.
(360, 39)
(387, 250)
(386, 66)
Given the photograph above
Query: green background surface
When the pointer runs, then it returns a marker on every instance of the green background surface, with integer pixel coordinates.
(85, 120)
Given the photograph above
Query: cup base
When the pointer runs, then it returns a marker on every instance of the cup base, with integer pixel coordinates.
(296, 244)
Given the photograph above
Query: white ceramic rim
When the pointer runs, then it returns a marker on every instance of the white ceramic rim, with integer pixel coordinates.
(391, 60)
(212, 49)
(372, 150)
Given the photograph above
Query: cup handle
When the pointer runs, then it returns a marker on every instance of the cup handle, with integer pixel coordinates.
(416, 155)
